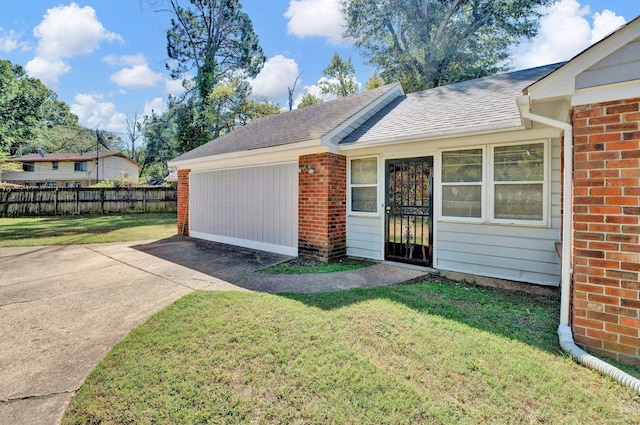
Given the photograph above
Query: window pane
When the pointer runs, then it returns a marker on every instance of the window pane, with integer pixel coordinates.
(364, 199)
(519, 163)
(364, 171)
(518, 201)
(462, 166)
(462, 201)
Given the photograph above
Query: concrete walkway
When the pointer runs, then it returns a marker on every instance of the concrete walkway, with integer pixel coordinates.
(62, 308)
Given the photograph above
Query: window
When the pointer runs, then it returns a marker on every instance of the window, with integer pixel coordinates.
(28, 166)
(80, 166)
(518, 182)
(54, 165)
(364, 185)
(462, 183)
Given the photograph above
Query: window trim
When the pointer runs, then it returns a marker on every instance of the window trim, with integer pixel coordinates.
(482, 184)
(350, 212)
(491, 184)
(83, 166)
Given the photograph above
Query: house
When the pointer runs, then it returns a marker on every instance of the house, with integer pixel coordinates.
(485, 177)
(72, 169)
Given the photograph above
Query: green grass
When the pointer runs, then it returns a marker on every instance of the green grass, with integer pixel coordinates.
(32, 231)
(434, 353)
(304, 266)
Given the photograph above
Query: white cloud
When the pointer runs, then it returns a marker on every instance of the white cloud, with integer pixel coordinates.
(10, 41)
(604, 24)
(174, 87)
(66, 31)
(137, 73)
(277, 75)
(137, 77)
(156, 105)
(321, 18)
(93, 112)
(565, 31)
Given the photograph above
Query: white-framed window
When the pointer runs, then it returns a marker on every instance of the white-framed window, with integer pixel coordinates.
(28, 167)
(363, 185)
(79, 166)
(518, 185)
(462, 181)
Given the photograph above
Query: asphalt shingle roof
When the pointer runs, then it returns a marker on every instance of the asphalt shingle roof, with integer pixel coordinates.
(310, 123)
(484, 103)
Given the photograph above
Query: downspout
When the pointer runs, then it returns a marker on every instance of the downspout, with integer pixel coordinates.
(565, 333)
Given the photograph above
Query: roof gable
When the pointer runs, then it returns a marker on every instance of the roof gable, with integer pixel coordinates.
(562, 82)
(323, 123)
(483, 104)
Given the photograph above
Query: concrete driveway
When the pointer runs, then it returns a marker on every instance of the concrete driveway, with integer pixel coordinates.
(63, 307)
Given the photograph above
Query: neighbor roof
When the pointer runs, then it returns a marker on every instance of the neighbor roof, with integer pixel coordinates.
(62, 157)
(482, 104)
(303, 124)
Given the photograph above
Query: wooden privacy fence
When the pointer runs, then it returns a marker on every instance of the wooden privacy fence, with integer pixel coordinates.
(84, 200)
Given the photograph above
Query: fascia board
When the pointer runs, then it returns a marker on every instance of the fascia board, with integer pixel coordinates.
(284, 153)
(395, 91)
(562, 81)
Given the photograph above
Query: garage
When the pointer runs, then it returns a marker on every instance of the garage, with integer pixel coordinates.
(254, 207)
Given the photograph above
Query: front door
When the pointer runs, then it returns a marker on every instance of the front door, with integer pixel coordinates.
(409, 201)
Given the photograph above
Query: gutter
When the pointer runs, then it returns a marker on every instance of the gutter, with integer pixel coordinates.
(565, 333)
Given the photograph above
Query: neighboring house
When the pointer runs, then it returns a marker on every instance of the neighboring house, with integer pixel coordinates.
(72, 169)
(468, 178)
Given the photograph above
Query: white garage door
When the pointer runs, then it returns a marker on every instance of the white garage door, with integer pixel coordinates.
(254, 207)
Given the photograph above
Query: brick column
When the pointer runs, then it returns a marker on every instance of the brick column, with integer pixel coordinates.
(606, 288)
(322, 203)
(183, 202)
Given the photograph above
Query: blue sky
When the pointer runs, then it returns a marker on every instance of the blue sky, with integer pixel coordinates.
(106, 58)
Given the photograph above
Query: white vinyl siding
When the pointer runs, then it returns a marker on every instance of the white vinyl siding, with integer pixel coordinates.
(523, 252)
(365, 237)
(254, 207)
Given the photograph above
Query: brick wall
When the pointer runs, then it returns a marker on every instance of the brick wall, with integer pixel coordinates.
(606, 304)
(183, 202)
(322, 201)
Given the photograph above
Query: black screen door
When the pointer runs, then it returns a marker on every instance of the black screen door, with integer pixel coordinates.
(409, 201)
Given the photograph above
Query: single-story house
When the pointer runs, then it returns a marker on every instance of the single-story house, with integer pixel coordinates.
(478, 177)
(72, 169)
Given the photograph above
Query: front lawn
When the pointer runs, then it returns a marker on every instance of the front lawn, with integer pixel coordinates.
(432, 353)
(66, 230)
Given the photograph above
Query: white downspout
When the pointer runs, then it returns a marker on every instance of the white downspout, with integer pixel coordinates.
(564, 330)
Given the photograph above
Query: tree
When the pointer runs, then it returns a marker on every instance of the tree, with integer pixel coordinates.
(429, 43)
(22, 101)
(308, 100)
(215, 39)
(340, 78)
(134, 128)
(374, 82)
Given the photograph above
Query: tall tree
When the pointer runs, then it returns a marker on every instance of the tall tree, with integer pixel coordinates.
(134, 128)
(340, 78)
(429, 43)
(215, 40)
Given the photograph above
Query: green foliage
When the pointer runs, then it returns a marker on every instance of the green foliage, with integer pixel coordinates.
(308, 100)
(430, 43)
(112, 184)
(374, 82)
(22, 106)
(215, 39)
(340, 78)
